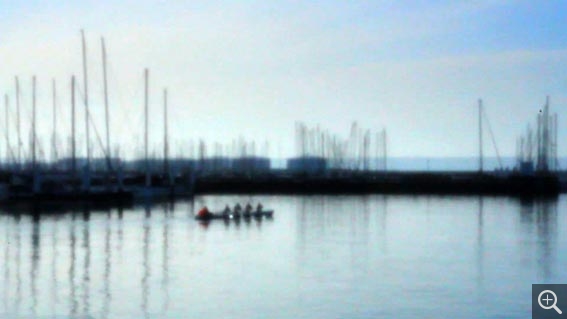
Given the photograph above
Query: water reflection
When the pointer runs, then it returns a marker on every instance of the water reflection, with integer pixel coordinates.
(539, 219)
(18, 219)
(7, 276)
(167, 210)
(120, 230)
(480, 241)
(107, 265)
(86, 245)
(72, 262)
(54, 275)
(146, 264)
(92, 262)
(62, 243)
(324, 213)
(325, 222)
(252, 221)
(35, 241)
(536, 235)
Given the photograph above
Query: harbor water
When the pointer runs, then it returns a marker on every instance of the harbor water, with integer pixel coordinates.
(319, 257)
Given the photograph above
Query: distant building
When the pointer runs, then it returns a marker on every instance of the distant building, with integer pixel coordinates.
(250, 164)
(309, 165)
(214, 164)
(156, 165)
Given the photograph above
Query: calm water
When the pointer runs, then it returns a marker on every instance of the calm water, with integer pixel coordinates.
(320, 257)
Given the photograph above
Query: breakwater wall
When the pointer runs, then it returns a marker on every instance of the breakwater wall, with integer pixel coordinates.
(387, 183)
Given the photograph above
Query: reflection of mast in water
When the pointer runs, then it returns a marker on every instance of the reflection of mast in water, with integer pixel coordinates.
(384, 222)
(73, 253)
(324, 219)
(35, 258)
(480, 240)
(165, 260)
(120, 231)
(191, 209)
(365, 218)
(146, 264)
(360, 230)
(54, 258)
(314, 215)
(171, 205)
(366, 210)
(302, 221)
(18, 263)
(546, 222)
(7, 260)
(107, 263)
(87, 261)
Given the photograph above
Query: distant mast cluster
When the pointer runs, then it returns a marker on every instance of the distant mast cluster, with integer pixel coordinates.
(35, 161)
(538, 150)
(362, 150)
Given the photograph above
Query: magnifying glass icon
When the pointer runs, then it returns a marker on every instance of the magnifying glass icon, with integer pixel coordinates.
(547, 300)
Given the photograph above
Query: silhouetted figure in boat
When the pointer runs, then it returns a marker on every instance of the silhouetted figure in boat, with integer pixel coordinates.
(259, 208)
(204, 212)
(226, 210)
(237, 208)
(248, 208)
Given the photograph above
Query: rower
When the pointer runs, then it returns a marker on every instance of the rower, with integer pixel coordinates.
(226, 210)
(259, 208)
(203, 212)
(237, 208)
(248, 208)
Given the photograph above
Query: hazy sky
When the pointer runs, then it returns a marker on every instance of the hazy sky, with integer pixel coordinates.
(253, 68)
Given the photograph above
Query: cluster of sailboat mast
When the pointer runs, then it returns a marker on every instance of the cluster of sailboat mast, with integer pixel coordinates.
(88, 121)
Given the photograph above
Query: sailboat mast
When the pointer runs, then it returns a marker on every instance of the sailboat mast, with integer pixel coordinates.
(385, 141)
(545, 136)
(33, 126)
(18, 121)
(555, 160)
(148, 181)
(165, 136)
(86, 85)
(73, 141)
(103, 47)
(480, 155)
(7, 129)
(54, 136)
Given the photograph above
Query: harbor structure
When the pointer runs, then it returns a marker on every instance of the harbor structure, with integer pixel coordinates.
(307, 165)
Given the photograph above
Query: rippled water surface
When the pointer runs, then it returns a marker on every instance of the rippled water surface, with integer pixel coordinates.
(319, 257)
